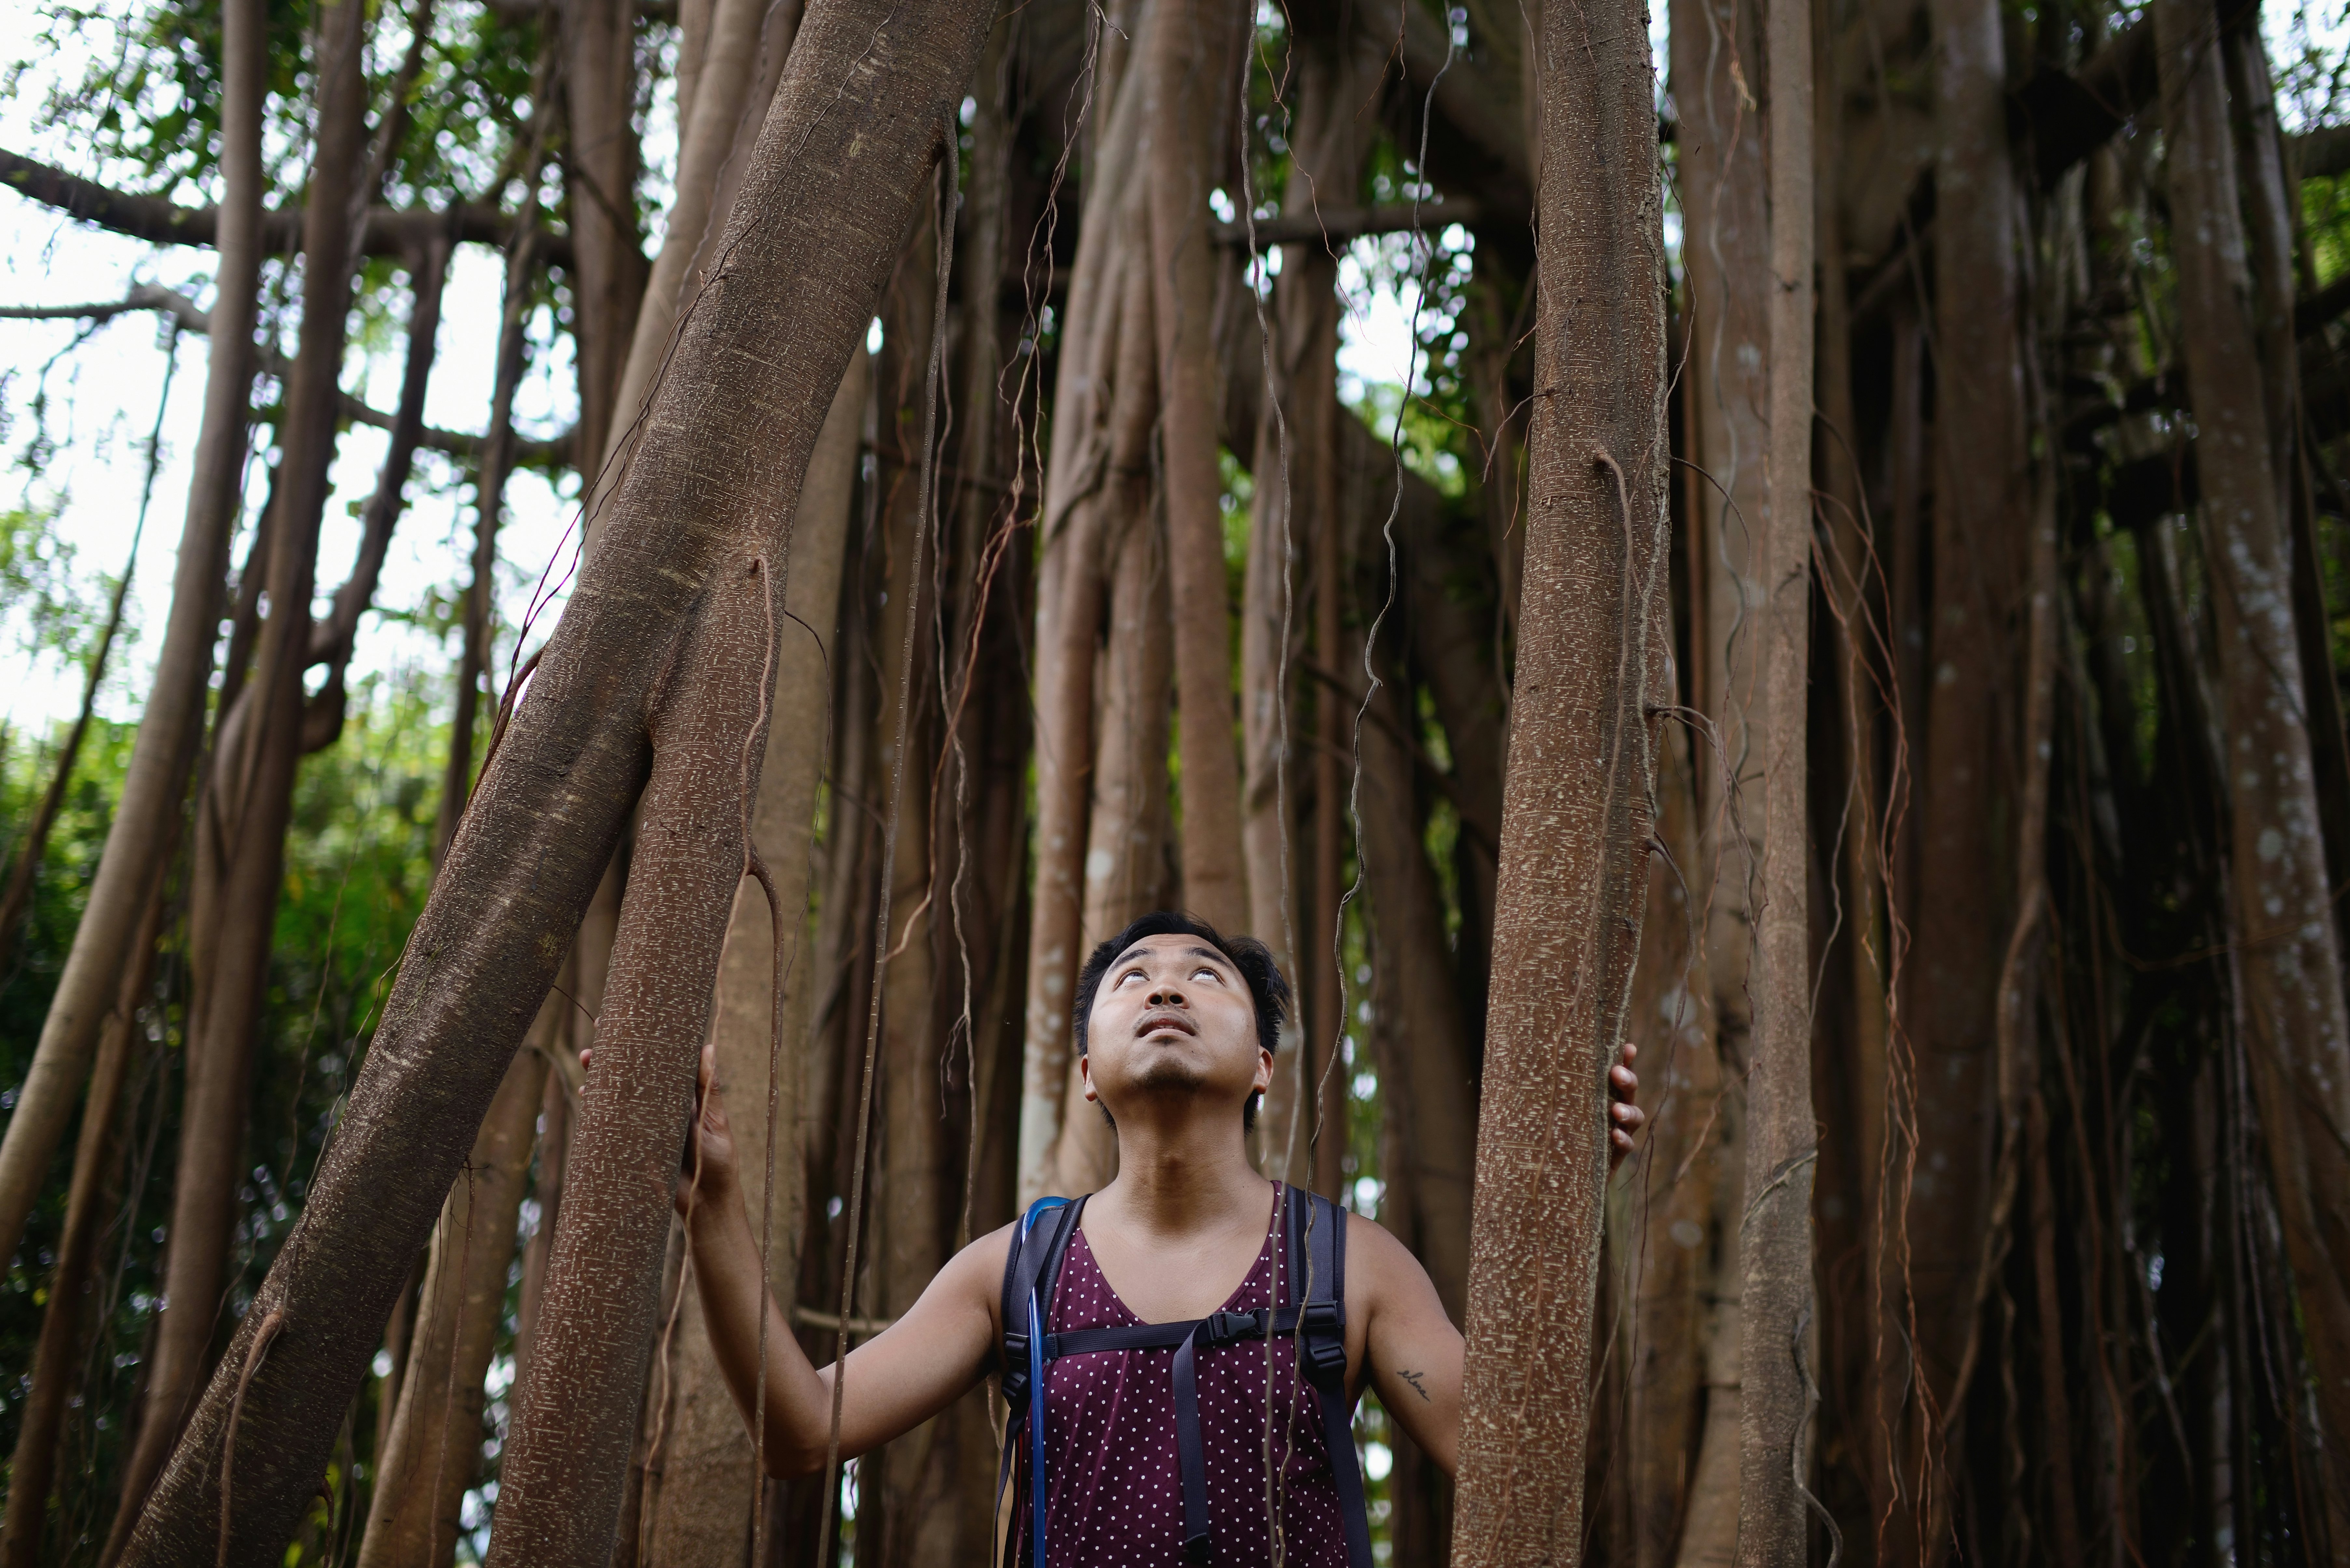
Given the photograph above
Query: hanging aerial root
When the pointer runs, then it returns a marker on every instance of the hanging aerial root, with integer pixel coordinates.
(270, 1327)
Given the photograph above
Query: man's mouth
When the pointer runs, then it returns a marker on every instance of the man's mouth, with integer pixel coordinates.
(1152, 1023)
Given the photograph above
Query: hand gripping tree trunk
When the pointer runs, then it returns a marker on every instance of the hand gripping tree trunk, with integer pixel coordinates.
(422, 1474)
(865, 100)
(703, 1517)
(1189, 53)
(1574, 828)
(2289, 957)
(241, 827)
(154, 790)
(1109, 303)
(1777, 1325)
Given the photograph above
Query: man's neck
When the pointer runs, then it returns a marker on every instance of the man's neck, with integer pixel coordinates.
(1179, 1177)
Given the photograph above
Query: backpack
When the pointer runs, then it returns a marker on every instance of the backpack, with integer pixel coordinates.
(1313, 1254)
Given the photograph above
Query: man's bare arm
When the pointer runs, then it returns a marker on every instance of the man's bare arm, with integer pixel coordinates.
(896, 1381)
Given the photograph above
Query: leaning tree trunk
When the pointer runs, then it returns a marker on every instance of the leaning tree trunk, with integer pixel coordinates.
(703, 1517)
(1574, 829)
(857, 122)
(1187, 74)
(67, 1324)
(241, 827)
(1778, 1328)
(154, 790)
(422, 1475)
(2281, 911)
(1109, 303)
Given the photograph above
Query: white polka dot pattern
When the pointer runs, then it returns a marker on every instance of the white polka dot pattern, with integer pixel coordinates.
(1114, 1494)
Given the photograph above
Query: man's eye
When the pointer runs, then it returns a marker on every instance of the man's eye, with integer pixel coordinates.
(1210, 974)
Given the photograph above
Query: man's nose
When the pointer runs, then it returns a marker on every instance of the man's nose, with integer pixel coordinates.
(1166, 996)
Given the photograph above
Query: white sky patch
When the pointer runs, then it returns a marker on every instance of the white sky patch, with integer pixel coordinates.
(102, 402)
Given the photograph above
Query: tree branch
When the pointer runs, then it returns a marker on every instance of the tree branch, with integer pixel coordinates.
(389, 231)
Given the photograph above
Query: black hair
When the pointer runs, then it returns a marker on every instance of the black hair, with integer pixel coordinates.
(1267, 990)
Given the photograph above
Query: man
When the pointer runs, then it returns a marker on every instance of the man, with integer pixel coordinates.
(1175, 1029)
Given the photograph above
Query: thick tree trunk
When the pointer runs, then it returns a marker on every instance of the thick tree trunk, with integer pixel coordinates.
(2288, 959)
(154, 790)
(1108, 310)
(1187, 71)
(860, 118)
(1779, 1332)
(599, 170)
(1294, 578)
(1981, 506)
(704, 1516)
(422, 1474)
(1575, 828)
(1672, 1198)
(1715, 64)
(241, 823)
(67, 1324)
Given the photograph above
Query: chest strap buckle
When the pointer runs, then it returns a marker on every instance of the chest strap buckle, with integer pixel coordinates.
(1232, 1327)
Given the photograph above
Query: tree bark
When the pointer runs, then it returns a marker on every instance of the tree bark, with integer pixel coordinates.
(1982, 504)
(1779, 1331)
(1126, 854)
(2288, 957)
(733, 425)
(435, 1452)
(1187, 71)
(599, 176)
(1293, 583)
(1108, 310)
(68, 1323)
(155, 789)
(705, 1514)
(1576, 826)
(241, 822)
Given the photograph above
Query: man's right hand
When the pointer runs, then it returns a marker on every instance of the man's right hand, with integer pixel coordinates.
(709, 1169)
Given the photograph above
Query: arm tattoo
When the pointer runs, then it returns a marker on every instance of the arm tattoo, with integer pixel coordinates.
(1413, 1378)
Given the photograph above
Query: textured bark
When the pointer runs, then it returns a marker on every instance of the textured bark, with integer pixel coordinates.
(241, 822)
(1779, 1331)
(435, 1451)
(2288, 961)
(1295, 579)
(1716, 66)
(155, 789)
(703, 1515)
(855, 125)
(1672, 1245)
(1574, 828)
(70, 1317)
(1982, 504)
(599, 170)
(712, 118)
(1109, 337)
(1126, 854)
(1188, 53)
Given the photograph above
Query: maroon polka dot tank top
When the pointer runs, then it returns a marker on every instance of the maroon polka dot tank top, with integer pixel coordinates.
(1114, 1496)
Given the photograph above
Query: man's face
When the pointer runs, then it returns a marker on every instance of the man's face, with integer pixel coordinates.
(1174, 1017)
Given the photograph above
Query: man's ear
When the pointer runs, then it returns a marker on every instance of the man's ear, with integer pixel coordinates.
(1086, 1077)
(1263, 1069)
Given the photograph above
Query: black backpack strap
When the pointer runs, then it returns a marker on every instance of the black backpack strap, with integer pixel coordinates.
(1031, 1265)
(1317, 1264)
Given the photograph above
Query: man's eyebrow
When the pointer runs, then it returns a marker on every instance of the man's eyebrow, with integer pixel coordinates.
(1210, 954)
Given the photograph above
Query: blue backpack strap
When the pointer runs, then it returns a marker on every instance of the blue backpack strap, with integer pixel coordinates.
(1317, 1263)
